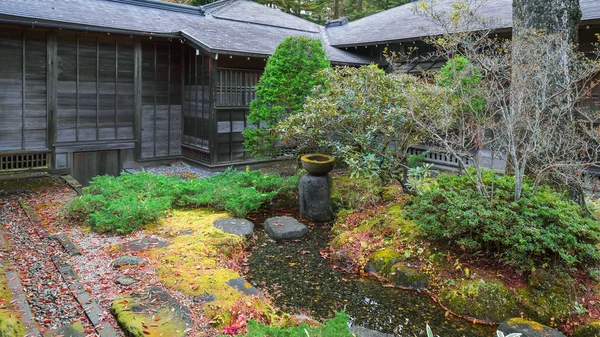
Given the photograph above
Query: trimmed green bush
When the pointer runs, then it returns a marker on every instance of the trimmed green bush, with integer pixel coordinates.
(125, 203)
(290, 74)
(537, 230)
(334, 327)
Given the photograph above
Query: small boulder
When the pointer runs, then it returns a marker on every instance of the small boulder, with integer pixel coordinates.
(239, 227)
(404, 275)
(128, 260)
(487, 300)
(205, 298)
(364, 332)
(548, 295)
(125, 280)
(527, 328)
(243, 287)
(285, 228)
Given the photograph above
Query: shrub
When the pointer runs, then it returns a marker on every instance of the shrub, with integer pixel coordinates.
(123, 204)
(290, 74)
(536, 230)
(334, 327)
(362, 115)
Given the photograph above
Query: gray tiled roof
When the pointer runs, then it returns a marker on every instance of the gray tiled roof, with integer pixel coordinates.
(401, 23)
(235, 26)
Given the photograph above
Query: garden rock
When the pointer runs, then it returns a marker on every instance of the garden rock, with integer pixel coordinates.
(364, 332)
(285, 228)
(164, 316)
(143, 244)
(128, 260)
(403, 275)
(239, 227)
(489, 300)
(206, 298)
(315, 197)
(243, 287)
(125, 281)
(527, 328)
(548, 295)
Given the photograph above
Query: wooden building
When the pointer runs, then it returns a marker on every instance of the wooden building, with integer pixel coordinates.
(90, 87)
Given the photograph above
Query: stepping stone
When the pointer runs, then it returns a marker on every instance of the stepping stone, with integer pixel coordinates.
(243, 287)
(152, 312)
(70, 330)
(67, 244)
(239, 227)
(128, 260)
(125, 281)
(285, 228)
(527, 328)
(364, 332)
(143, 244)
(206, 298)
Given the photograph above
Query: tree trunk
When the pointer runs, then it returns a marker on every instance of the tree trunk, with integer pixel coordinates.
(534, 19)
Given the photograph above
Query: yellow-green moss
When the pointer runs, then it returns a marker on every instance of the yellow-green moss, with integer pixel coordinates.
(198, 263)
(142, 324)
(533, 325)
(391, 192)
(485, 300)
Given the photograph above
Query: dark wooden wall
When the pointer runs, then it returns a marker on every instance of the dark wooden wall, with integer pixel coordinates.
(161, 99)
(196, 100)
(94, 88)
(23, 85)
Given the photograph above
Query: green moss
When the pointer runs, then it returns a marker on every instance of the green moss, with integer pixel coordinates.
(591, 329)
(10, 324)
(382, 260)
(548, 296)
(402, 274)
(521, 321)
(354, 193)
(485, 300)
(391, 193)
(334, 327)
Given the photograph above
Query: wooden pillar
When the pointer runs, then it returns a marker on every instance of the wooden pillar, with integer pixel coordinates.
(212, 120)
(137, 97)
(51, 82)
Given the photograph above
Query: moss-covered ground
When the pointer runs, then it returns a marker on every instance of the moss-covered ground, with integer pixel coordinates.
(10, 321)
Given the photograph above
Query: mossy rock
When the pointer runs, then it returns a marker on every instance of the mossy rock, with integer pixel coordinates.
(547, 296)
(10, 324)
(591, 329)
(402, 274)
(151, 313)
(354, 193)
(485, 300)
(391, 192)
(527, 328)
(381, 262)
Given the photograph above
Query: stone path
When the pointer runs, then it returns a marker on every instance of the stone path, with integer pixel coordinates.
(285, 228)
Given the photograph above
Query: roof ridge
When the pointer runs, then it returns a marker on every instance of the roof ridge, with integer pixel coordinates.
(163, 5)
(214, 7)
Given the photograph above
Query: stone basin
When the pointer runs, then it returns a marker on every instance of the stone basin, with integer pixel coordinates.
(317, 164)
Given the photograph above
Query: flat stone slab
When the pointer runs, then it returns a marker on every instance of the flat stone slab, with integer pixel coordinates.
(143, 244)
(125, 281)
(67, 244)
(70, 330)
(128, 260)
(243, 287)
(239, 227)
(364, 332)
(152, 312)
(285, 228)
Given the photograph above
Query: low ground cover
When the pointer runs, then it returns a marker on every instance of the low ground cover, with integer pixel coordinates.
(123, 204)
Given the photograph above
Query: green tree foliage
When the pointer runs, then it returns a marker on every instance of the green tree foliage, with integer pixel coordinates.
(535, 230)
(360, 115)
(290, 74)
(123, 204)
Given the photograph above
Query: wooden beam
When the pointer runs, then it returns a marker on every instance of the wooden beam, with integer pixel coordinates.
(169, 99)
(182, 114)
(51, 79)
(77, 92)
(154, 94)
(97, 88)
(137, 97)
(212, 124)
(196, 97)
(116, 85)
(23, 97)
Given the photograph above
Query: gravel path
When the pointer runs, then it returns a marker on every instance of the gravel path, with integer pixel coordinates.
(48, 295)
(180, 169)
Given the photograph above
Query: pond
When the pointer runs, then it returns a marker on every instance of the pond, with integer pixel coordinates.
(299, 278)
